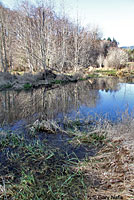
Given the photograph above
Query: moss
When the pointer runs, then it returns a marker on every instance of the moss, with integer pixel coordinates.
(27, 86)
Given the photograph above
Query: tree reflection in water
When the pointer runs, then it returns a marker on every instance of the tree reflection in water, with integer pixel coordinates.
(15, 105)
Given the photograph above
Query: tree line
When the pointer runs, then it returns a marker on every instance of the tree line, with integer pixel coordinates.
(34, 38)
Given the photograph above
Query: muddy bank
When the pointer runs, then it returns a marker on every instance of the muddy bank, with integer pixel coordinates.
(28, 80)
(51, 79)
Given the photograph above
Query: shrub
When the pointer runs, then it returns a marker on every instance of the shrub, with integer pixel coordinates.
(116, 58)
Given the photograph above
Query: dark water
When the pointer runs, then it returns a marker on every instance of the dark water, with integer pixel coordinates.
(101, 96)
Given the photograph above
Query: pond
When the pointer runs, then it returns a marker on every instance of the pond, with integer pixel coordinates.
(105, 97)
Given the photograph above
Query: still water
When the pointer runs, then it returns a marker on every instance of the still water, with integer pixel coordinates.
(105, 97)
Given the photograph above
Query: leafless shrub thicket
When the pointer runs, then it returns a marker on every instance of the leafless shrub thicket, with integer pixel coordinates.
(116, 58)
(34, 38)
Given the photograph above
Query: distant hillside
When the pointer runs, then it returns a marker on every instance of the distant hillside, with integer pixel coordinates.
(128, 47)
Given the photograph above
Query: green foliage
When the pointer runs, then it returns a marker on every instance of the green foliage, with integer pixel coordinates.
(115, 43)
(107, 72)
(109, 39)
(27, 86)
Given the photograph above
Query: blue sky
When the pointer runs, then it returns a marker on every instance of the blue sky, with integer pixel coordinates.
(115, 18)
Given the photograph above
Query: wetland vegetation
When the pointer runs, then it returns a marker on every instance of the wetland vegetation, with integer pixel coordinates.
(66, 109)
(51, 149)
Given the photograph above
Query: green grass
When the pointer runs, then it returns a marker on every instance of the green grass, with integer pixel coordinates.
(74, 123)
(107, 72)
(58, 82)
(27, 86)
(82, 79)
(93, 75)
(84, 133)
(94, 138)
(32, 169)
(7, 86)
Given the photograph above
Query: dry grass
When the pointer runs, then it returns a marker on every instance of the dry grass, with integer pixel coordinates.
(47, 174)
(114, 164)
(48, 126)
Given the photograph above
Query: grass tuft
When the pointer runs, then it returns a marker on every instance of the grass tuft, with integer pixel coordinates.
(27, 86)
(32, 168)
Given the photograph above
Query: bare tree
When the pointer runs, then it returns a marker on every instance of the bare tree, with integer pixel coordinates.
(3, 45)
(100, 60)
(34, 38)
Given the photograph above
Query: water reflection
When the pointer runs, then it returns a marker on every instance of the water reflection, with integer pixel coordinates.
(66, 99)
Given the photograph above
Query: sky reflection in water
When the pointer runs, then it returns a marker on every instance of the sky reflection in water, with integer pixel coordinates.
(102, 97)
(111, 104)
